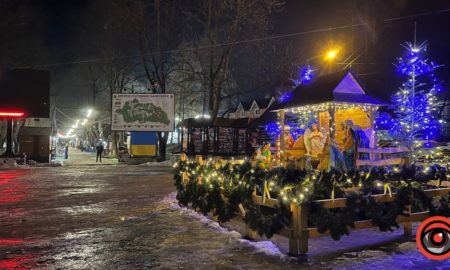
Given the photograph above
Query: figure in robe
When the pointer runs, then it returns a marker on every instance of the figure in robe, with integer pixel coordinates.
(263, 156)
(315, 140)
(288, 139)
(336, 159)
(354, 137)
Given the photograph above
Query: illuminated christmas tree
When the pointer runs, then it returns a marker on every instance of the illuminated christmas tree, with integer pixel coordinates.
(415, 105)
(303, 119)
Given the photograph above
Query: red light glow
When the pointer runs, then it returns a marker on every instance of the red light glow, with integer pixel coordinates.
(12, 114)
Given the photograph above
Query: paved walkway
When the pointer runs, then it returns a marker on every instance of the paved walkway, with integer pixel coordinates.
(76, 157)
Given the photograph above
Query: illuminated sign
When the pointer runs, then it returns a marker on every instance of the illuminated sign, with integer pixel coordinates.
(11, 114)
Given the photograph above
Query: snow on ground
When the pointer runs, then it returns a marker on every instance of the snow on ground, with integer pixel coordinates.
(391, 256)
(127, 217)
(8, 164)
(266, 247)
(156, 164)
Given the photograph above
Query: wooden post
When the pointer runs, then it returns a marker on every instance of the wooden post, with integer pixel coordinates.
(332, 122)
(282, 142)
(249, 233)
(407, 226)
(184, 176)
(298, 242)
(199, 159)
(373, 136)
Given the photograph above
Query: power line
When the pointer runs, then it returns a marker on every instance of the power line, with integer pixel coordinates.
(342, 27)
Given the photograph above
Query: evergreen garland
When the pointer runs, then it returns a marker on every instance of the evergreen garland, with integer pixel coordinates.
(267, 221)
(222, 189)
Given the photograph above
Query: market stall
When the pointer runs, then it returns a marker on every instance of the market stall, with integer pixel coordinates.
(218, 137)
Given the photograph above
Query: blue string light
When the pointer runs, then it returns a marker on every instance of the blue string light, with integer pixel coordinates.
(415, 104)
(305, 76)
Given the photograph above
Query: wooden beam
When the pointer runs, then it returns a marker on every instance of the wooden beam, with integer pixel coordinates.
(367, 224)
(379, 162)
(384, 150)
(282, 142)
(258, 200)
(342, 202)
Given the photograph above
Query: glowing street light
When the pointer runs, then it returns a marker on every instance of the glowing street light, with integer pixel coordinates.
(75, 126)
(89, 113)
(331, 54)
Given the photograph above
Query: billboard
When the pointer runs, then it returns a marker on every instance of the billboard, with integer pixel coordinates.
(143, 112)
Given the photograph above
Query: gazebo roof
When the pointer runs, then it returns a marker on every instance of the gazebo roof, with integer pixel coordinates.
(340, 87)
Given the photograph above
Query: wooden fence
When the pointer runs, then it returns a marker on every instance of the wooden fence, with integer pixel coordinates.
(298, 232)
(383, 156)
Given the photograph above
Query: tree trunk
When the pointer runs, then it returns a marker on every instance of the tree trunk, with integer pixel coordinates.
(114, 150)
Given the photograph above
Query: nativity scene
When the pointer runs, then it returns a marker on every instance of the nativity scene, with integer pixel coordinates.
(337, 117)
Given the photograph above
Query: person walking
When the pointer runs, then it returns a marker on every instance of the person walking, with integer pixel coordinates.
(66, 151)
(99, 151)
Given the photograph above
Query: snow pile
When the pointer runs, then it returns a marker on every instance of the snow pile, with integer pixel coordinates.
(266, 247)
(402, 256)
(8, 164)
(171, 201)
(156, 164)
(407, 246)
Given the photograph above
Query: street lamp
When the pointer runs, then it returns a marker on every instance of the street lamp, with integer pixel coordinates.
(331, 54)
(75, 126)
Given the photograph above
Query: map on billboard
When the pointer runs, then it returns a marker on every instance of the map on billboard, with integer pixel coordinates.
(143, 112)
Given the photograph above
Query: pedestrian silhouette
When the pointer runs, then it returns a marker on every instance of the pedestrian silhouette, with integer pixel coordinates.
(99, 151)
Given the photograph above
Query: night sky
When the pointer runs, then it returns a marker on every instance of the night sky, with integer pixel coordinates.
(379, 52)
(377, 44)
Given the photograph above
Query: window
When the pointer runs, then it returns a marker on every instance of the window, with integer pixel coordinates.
(257, 112)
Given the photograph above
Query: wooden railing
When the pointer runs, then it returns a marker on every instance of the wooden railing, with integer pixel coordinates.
(381, 156)
(298, 232)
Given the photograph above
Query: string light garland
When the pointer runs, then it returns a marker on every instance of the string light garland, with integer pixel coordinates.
(326, 106)
(415, 122)
(222, 188)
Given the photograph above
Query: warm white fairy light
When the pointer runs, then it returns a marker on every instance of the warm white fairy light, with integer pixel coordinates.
(326, 106)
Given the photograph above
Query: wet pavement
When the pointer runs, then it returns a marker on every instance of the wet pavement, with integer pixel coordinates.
(76, 157)
(126, 217)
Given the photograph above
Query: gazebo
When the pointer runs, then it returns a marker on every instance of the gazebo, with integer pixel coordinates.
(331, 100)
